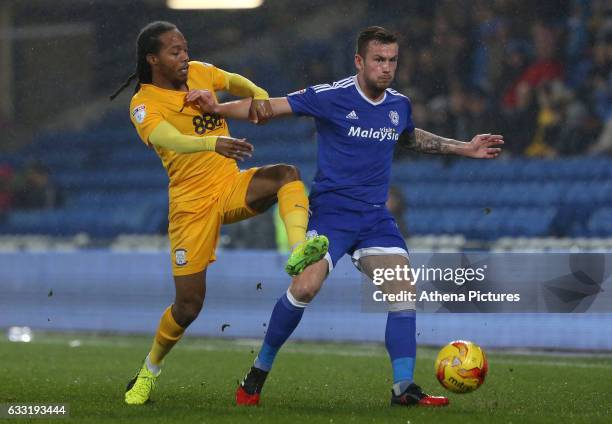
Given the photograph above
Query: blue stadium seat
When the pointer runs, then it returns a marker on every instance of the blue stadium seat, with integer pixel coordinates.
(600, 223)
(426, 170)
(480, 223)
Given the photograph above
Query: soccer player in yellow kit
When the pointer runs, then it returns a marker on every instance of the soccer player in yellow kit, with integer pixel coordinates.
(206, 187)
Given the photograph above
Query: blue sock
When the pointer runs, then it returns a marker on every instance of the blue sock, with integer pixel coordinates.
(285, 318)
(400, 340)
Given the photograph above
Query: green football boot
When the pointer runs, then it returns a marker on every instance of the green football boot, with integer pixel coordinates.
(306, 253)
(138, 390)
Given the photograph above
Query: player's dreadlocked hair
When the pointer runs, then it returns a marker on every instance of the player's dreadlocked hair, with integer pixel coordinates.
(148, 42)
(374, 33)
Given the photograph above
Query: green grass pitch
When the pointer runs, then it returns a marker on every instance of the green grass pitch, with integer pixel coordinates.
(311, 383)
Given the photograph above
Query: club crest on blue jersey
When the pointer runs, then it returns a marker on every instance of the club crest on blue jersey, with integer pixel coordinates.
(394, 116)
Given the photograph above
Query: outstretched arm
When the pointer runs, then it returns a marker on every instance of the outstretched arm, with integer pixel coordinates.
(243, 87)
(239, 109)
(482, 146)
(260, 109)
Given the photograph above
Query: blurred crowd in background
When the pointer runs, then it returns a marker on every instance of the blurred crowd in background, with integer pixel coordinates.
(538, 72)
(545, 84)
(29, 188)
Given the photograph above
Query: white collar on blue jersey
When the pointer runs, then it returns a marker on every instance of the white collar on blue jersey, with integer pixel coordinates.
(366, 98)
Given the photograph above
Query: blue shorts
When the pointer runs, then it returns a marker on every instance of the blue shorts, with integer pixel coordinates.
(356, 229)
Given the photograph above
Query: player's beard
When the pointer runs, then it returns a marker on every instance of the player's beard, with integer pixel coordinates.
(179, 78)
(377, 86)
(173, 75)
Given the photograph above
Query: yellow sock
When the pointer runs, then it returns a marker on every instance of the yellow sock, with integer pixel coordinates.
(168, 333)
(293, 209)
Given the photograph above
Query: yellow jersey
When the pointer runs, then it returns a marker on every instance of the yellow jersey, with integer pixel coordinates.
(192, 175)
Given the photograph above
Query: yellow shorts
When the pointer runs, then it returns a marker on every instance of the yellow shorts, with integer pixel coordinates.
(195, 225)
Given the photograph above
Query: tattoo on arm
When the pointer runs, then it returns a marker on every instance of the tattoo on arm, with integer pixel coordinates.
(426, 142)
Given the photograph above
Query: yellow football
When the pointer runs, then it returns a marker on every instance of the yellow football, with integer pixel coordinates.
(461, 366)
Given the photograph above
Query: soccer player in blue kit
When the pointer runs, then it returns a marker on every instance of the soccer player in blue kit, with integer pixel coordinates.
(359, 121)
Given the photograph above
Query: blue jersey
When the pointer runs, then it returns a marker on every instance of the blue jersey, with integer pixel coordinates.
(356, 138)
